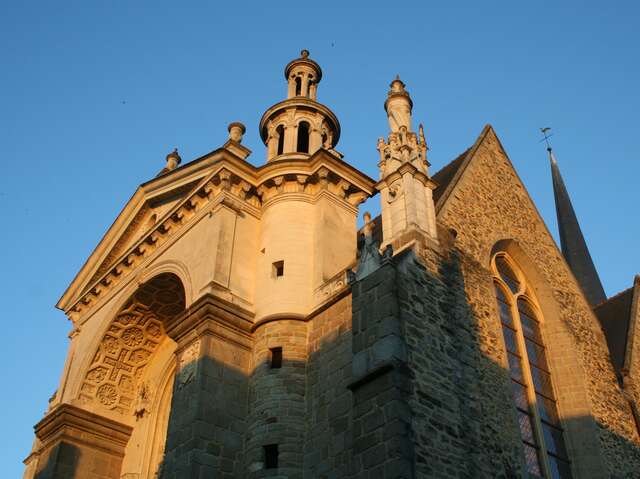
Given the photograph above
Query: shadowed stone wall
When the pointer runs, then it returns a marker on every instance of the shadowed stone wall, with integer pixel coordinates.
(488, 206)
(277, 404)
(464, 423)
(207, 425)
(328, 441)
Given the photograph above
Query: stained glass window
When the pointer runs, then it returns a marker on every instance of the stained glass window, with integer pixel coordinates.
(540, 429)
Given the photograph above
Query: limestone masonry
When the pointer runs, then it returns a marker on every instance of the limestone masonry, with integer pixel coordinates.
(234, 323)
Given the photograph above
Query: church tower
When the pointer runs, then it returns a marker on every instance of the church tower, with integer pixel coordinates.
(299, 126)
(308, 194)
(406, 189)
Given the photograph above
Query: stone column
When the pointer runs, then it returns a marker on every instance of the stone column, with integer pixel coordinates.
(76, 443)
(290, 138)
(291, 87)
(305, 85)
(205, 437)
(272, 145)
(315, 140)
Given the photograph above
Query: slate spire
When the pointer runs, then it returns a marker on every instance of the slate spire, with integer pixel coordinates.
(574, 247)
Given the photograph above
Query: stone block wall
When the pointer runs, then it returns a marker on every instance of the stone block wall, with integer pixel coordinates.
(490, 208)
(464, 424)
(427, 402)
(209, 407)
(207, 427)
(328, 441)
(382, 439)
(277, 413)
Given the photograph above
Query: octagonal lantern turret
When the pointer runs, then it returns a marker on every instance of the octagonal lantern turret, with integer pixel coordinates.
(299, 126)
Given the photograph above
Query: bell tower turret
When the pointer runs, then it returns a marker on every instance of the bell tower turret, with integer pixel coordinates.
(406, 189)
(299, 126)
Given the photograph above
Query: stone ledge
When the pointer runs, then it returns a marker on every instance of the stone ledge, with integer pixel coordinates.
(214, 315)
(379, 370)
(75, 425)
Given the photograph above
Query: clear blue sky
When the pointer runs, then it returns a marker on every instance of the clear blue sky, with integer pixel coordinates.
(93, 95)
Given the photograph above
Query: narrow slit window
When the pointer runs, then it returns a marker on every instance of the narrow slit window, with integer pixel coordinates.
(278, 269)
(276, 358)
(270, 456)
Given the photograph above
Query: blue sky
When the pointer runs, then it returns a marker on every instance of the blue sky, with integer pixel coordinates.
(93, 95)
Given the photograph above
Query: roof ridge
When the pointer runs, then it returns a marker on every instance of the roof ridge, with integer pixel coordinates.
(466, 159)
(615, 296)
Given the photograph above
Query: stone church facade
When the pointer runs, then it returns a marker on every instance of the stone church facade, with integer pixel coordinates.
(234, 323)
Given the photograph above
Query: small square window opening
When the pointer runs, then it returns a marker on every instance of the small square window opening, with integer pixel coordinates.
(270, 456)
(276, 358)
(278, 269)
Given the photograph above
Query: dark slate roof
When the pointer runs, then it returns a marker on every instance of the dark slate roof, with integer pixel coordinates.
(615, 317)
(446, 174)
(572, 242)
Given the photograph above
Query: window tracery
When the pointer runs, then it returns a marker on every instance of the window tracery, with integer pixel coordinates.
(532, 388)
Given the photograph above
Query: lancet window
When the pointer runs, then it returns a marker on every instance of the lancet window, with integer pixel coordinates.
(540, 428)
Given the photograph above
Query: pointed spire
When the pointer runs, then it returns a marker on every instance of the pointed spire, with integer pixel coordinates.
(573, 244)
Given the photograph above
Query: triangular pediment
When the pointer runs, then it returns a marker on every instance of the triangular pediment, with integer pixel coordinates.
(152, 202)
(162, 206)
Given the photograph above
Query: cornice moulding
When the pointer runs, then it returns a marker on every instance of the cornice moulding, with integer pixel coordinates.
(76, 425)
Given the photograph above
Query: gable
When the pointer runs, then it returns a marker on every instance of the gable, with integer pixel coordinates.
(151, 202)
(148, 215)
(485, 195)
(488, 204)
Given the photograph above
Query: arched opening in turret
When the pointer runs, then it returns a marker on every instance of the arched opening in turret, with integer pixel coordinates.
(280, 133)
(298, 86)
(325, 137)
(303, 137)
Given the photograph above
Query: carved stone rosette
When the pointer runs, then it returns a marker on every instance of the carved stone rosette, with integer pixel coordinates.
(133, 336)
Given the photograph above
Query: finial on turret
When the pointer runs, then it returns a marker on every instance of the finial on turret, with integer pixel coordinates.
(236, 130)
(173, 160)
(397, 85)
(304, 53)
(398, 106)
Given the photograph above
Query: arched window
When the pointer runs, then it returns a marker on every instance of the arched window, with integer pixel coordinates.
(303, 137)
(280, 132)
(298, 86)
(540, 428)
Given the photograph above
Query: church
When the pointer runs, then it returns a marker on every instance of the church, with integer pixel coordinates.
(234, 322)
